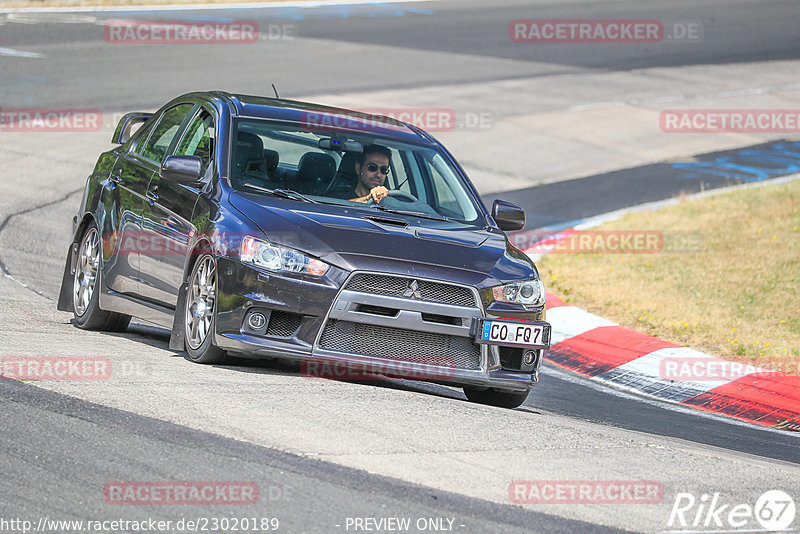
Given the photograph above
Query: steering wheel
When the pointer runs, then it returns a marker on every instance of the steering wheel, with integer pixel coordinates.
(397, 193)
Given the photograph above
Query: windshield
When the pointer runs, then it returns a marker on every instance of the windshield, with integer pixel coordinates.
(342, 168)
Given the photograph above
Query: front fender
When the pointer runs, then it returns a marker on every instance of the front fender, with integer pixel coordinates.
(91, 209)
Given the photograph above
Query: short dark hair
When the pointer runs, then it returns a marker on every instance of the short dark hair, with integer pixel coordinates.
(374, 149)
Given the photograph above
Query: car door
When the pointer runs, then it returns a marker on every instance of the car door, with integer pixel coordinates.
(127, 185)
(168, 214)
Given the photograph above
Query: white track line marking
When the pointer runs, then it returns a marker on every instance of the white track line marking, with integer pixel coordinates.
(50, 18)
(192, 7)
(679, 98)
(18, 53)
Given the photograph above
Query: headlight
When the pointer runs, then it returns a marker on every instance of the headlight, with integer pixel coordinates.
(530, 292)
(280, 259)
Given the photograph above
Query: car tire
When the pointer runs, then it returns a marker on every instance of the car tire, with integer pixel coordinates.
(199, 313)
(87, 283)
(492, 397)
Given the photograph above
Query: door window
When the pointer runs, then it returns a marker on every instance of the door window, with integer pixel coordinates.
(198, 140)
(161, 137)
(450, 197)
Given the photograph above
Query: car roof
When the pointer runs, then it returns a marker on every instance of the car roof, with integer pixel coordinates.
(325, 117)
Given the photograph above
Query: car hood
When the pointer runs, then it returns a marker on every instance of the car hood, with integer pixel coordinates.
(367, 239)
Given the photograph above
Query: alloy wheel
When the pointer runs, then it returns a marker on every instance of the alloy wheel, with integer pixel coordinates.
(200, 302)
(86, 271)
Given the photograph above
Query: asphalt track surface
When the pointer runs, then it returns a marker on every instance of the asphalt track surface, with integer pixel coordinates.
(40, 479)
(740, 31)
(570, 201)
(305, 495)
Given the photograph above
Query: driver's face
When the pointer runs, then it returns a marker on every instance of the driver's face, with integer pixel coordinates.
(370, 179)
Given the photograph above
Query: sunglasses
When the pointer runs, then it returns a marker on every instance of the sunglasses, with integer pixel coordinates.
(372, 167)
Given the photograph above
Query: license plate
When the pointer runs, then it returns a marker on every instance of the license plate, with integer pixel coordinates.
(515, 333)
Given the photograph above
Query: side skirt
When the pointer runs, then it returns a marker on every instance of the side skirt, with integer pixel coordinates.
(117, 302)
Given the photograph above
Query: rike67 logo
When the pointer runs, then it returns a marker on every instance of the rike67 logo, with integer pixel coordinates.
(773, 511)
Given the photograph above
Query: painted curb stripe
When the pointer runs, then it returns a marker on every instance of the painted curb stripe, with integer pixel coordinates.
(646, 375)
(569, 322)
(602, 349)
(595, 347)
(553, 301)
(767, 399)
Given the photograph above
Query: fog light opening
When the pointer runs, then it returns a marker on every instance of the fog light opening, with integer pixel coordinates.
(529, 357)
(257, 320)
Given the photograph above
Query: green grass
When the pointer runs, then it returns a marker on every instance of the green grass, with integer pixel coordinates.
(736, 296)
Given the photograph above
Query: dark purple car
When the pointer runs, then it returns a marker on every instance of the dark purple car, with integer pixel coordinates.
(240, 223)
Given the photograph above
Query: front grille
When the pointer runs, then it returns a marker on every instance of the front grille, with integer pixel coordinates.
(428, 291)
(283, 324)
(511, 358)
(376, 310)
(401, 344)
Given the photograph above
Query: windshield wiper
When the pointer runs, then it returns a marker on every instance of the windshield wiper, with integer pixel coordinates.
(420, 214)
(283, 193)
(291, 193)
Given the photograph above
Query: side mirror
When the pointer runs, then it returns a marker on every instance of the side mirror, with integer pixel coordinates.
(123, 131)
(508, 216)
(182, 169)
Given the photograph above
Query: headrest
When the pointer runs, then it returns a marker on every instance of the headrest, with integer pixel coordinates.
(248, 146)
(346, 178)
(272, 158)
(315, 171)
(347, 167)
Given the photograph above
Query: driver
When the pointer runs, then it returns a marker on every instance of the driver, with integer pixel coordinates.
(372, 169)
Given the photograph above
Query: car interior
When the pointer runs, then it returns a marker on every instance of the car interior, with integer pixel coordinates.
(266, 158)
(317, 173)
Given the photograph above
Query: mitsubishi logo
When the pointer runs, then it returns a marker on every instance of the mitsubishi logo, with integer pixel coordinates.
(412, 291)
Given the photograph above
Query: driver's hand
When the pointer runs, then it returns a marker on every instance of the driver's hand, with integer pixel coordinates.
(378, 192)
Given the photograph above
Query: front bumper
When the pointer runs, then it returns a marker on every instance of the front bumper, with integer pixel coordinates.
(344, 321)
